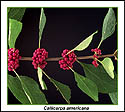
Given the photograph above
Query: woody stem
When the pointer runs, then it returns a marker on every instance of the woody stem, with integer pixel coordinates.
(58, 58)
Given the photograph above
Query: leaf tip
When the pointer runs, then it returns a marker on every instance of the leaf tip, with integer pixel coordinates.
(96, 32)
(112, 76)
(96, 99)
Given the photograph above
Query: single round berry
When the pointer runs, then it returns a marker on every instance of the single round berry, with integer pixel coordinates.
(95, 56)
(95, 63)
(13, 59)
(68, 60)
(39, 57)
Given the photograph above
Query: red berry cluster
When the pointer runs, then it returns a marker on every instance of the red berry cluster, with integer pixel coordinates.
(95, 56)
(39, 57)
(68, 60)
(13, 59)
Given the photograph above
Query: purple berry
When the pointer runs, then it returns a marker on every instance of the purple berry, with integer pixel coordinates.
(67, 60)
(13, 59)
(39, 57)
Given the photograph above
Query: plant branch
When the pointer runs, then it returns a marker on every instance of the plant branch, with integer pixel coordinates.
(58, 58)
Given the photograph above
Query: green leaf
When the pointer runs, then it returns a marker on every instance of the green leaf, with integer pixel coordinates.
(108, 24)
(15, 28)
(114, 97)
(42, 23)
(98, 75)
(16, 88)
(87, 86)
(42, 83)
(16, 13)
(84, 44)
(108, 66)
(27, 91)
(63, 89)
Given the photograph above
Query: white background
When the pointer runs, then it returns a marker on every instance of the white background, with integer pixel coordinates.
(5, 4)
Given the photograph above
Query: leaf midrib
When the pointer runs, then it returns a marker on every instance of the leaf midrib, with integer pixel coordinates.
(97, 78)
(23, 91)
(60, 91)
(87, 87)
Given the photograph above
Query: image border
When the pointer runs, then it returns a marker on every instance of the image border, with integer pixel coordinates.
(8, 4)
